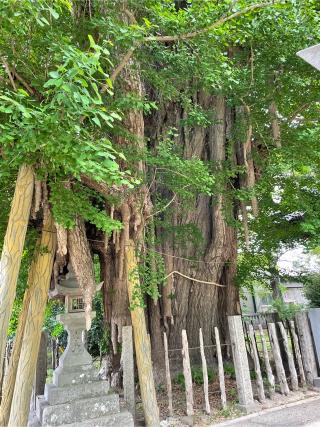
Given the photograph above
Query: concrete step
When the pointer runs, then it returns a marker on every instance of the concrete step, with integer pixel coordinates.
(122, 419)
(80, 410)
(55, 395)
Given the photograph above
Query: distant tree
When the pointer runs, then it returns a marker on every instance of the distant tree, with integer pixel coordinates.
(312, 289)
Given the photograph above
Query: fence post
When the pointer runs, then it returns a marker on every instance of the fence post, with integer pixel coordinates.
(307, 353)
(204, 373)
(187, 373)
(168, 376)
(267, 363)
(314, 317)
(128, 369)
(292, 368)
(220, 369)
(277, 359)
(297, 353)
(240, 360)
(257, 368)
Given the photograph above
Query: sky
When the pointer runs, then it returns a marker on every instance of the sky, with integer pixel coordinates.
(297, 260)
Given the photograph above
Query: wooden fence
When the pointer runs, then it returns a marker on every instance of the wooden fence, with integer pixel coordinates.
(269, 357)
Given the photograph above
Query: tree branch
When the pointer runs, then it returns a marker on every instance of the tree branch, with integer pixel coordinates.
(185, 36)
(164, 207)
(7, 68)
(26, 85)
(121, 66)
(193, 279)
(216, 24)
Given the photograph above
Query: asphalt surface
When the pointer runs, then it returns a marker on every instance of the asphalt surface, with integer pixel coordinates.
(302, 413)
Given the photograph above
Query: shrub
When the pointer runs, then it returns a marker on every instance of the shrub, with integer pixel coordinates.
(229, 370)
(286, 311)
(197, 376)
(311, 288)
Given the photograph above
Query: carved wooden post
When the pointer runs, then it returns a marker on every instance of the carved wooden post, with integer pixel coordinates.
(292, 368)
(220, 369)
(12, 249)
(204, 373)
(297, 353)
(128, 369)
(256, 362)
(168, 376)
(267, 363)
(141, 341)
(277, 359)
(32, 332)
(187, 373)
(240, 361)
(307, 352)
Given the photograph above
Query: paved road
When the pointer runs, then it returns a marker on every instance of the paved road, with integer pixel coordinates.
(302, 413)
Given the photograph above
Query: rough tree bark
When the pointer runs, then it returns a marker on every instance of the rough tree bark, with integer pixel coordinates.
(12, 249)
(197, 305)
(43, 265)
(81, 261)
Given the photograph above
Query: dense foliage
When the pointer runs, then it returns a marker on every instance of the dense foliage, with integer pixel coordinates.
(63, 111)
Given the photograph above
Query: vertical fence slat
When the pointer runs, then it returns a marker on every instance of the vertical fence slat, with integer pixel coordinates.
(204, 373)
(267, 362)
(292, 368)
(220, 369)
(307, 352)
(297, 353)
(259, 381)
(168, 376)
(240, 361)
(128, 369)
(187, 373)
(277, 359)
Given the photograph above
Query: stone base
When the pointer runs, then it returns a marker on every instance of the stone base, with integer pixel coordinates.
(248, 409)
(74, 375)
(80, 410)
(77, 397)
(80, 405)
(316, 382)
(56, 395)
(122, 419)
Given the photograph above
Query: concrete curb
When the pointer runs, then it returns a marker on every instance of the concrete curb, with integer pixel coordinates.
(266, 411)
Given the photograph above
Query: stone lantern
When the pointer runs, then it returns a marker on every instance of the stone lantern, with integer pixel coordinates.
(75, 357)
(77, 397)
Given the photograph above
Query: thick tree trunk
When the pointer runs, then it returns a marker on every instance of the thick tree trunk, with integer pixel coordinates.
(196, 305)
(12, 249)
(81, 261)
(32, 331)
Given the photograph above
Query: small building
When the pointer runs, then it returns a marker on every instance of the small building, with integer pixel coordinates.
(261, 300)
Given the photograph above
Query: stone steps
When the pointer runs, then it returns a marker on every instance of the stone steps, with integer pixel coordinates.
(56, 395)
(122, 419)
(81, 410)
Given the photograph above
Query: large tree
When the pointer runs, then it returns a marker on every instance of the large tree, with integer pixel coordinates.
(163, 122)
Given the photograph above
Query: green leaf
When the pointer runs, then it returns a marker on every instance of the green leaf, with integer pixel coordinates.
(91, 40)
(96, 121)
(54, 74)
(53, 13)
